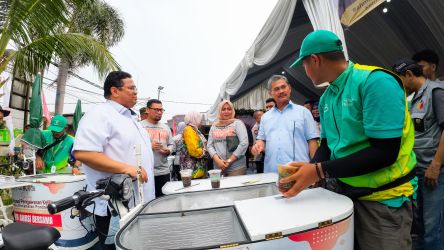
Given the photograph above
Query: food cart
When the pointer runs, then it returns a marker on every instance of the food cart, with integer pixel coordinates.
(246, 217)
(30, 205)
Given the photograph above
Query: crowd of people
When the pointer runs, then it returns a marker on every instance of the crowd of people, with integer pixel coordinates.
(362, 139)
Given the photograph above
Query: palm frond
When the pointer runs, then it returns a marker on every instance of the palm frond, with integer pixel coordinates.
(4, 6)
(3, 82)
(38, 54)
(99, 20)
(28, 19)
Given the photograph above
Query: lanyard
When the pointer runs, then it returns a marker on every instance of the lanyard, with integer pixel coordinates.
(58, 141)
(54, 150)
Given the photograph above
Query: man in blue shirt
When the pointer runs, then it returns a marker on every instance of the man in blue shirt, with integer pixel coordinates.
(288, 131)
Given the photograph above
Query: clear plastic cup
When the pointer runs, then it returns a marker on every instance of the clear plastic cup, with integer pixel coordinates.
(215, 177)
(185, 175)
(285, 171)
(170, 160)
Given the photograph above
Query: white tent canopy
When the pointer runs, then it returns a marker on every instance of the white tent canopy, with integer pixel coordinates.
(376, 39)
(323, 15)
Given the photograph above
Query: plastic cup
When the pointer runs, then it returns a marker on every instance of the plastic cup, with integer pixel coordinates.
(185, 175)
(215, 178)
(285, 171)
(170, 160)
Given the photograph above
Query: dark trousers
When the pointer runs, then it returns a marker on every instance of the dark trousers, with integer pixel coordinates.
(102, 226)
(159, 181)
(428, 214)
(260, 164)
(259, 167)
(176, 173)
(381, 227)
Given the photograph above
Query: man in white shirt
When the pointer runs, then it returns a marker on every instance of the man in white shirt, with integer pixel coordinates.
(106, 140)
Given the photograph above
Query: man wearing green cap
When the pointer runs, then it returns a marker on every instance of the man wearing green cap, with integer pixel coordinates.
(366, 146)
(55, 155)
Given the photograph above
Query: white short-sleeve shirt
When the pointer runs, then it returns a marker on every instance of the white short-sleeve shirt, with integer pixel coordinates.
(110, 128)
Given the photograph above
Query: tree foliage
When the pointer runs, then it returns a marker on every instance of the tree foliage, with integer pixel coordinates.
(98, 20)
(36, 29)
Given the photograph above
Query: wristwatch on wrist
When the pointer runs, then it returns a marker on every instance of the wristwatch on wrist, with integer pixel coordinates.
(229, 161)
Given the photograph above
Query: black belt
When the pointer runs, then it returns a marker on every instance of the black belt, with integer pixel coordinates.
(356, 192)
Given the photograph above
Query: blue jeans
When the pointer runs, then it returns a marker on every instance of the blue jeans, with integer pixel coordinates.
(429, 214)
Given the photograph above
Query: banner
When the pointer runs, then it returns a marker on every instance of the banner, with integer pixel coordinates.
(30, 205)
(351, 11)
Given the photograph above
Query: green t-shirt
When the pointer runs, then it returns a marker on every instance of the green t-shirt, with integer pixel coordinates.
(378, 113)
(57, 155)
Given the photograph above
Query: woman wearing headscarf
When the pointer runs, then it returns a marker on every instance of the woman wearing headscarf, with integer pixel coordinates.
(193, 153)
(228, 141)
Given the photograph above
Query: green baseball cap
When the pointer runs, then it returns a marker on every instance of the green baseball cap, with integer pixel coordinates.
(318, 41)
(58, 123)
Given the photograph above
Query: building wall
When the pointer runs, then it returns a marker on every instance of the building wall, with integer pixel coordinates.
(17, 118)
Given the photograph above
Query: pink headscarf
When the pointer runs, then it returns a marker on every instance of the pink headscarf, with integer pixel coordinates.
(220, 121)
(193, 118)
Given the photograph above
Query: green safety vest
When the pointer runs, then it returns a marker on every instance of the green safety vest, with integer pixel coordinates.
(57, 155)
(344, 130)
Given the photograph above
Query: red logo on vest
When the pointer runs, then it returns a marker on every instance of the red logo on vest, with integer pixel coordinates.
(420, 105)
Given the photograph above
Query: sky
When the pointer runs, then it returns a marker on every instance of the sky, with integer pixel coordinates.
(189, 47)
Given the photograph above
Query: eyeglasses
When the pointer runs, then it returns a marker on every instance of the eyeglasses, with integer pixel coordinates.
(133, 88)
(158, 110)
(282, 87)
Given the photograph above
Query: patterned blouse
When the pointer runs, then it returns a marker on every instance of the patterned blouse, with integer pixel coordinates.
(193, 152)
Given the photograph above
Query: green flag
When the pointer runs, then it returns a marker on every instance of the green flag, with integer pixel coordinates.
(77, 115)
(33, 136)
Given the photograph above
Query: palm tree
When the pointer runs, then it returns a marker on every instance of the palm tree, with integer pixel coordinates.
(34, 29)
(98, 20)
(3, 10)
